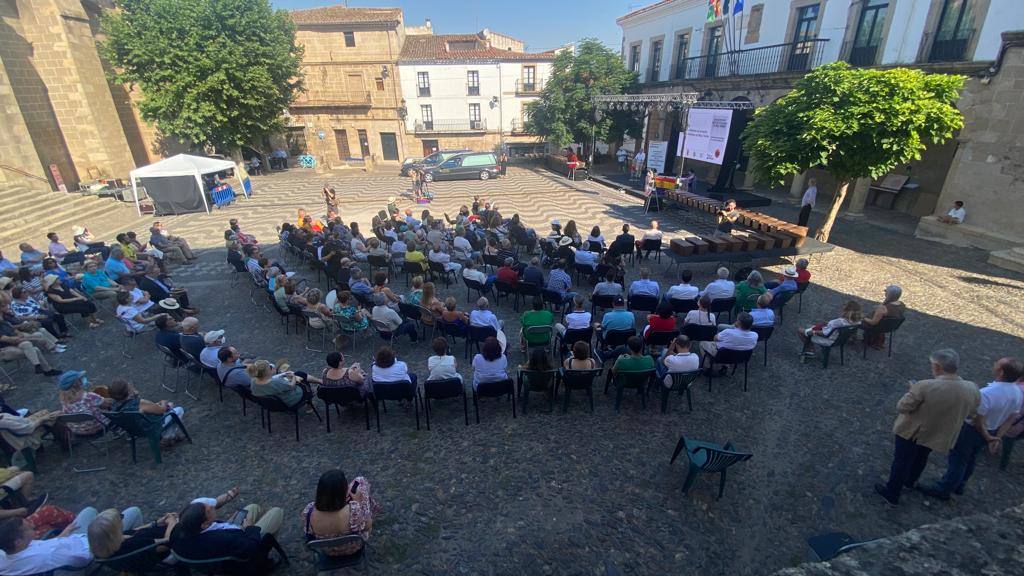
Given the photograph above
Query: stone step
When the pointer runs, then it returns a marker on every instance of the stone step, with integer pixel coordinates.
(82, 211)
(41, 207)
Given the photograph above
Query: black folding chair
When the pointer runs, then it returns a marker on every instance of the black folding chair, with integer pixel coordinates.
(437, 270)
(700, 332)
(721, 306)
(537, 381)
(659, 338)
(639, 380)
(601, 302)
(443, 390)
(453, 330)
(476, 335)
(681, 382)
(324, 562)
(642, 302)
(680, 306)
(845, 333)
(397, 391)
(579, 380)
(472, 285)
(494, 390)
(342, 397)
(885, 326)
(270, 404)
(651, 245)
(764, 333)
(730, 357)
(506, 290)
(526, 293)
(572, 336)
(801, 287)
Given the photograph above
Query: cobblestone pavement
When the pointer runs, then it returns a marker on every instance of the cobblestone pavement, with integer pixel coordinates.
(568, 494)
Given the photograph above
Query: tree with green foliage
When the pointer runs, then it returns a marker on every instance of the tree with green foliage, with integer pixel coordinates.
(212, 72)
(565, 111)
(853, 122)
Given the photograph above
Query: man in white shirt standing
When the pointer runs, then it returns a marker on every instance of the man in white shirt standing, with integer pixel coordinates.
(621, 155)
(955, 215)
(1000, 399)
(807, 202)
(720, 288)
(639, 163)
(684, 290)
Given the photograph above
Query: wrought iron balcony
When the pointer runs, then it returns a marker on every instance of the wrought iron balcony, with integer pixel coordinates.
(951, 49)
(449, 126)
(527, 88)
(518, 126)
(778, 58)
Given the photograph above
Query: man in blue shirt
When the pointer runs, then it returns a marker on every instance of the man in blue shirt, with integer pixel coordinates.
(763, 314)
(787, 284)
(559, 281)
(586, 258)
(6, 264)
(644, 286)
(533, 273)
(167, 334)
(618, 318)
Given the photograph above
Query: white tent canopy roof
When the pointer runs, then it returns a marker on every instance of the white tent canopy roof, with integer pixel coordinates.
(182, 165)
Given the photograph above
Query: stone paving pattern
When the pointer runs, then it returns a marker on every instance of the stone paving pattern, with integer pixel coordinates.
(575, 493)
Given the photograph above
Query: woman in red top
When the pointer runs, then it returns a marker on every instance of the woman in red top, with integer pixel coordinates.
(663, 321)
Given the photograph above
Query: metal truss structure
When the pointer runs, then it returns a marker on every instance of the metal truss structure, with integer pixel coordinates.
(653, 102)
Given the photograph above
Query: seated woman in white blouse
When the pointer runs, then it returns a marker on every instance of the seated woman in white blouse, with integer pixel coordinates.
(389, 369)
(490, 365)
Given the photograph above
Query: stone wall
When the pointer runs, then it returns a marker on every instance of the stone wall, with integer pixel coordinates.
(987, 172)
(346, 88)
(49, 55)
(980, 544)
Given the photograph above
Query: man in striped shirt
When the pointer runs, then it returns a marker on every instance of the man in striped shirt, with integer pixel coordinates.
(560, 282)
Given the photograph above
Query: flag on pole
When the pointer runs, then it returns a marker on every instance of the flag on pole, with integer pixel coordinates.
(738, 7)
(711, 10)
(718, 8)
(724, 9)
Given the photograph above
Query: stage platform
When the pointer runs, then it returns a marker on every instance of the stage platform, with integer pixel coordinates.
(636, 188)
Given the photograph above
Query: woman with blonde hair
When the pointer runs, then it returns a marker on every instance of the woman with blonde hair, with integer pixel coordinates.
(429, 301)
(319, 315)
(110, 536)
(291, 388)
(826, 333)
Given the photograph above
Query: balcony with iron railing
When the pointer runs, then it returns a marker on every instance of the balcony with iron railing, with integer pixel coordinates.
(778, 58)
(350, 99)
(951, 49)
(524, 88)
(449, 126)
(518, 126)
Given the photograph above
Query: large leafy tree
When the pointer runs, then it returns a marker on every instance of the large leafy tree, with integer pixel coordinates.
(565, 112)
(853, 122)
(213, 72)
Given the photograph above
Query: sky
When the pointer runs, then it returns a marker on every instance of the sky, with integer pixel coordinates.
(541, 24)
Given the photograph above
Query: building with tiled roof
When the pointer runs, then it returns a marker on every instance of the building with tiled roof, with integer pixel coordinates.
(363, 104)
(351, 110)
(470, 90)
(333, 15)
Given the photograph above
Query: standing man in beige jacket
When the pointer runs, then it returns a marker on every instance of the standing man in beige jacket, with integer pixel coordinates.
(930, 415)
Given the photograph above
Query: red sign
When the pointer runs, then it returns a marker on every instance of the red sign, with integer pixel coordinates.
(57, 179)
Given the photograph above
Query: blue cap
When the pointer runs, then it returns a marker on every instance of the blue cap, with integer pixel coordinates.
(67, 379)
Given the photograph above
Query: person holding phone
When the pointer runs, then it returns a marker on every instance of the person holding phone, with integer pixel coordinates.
(340, 509)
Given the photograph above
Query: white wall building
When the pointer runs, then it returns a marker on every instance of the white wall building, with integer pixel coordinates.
(673, 39)
(461, 91)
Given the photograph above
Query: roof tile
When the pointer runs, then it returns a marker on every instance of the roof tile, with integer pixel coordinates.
(438, 47)
(343, 15)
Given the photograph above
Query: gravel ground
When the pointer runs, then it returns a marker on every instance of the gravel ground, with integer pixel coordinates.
(569, 493)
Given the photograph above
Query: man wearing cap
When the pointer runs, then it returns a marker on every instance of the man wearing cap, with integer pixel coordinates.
(15, 346)
(191, 339)
(214, 340)
(786, 283)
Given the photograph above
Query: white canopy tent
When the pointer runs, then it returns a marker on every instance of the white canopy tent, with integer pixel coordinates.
(184, 169)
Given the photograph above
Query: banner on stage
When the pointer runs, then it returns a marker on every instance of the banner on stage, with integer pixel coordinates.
(656, 152)
(707, 131)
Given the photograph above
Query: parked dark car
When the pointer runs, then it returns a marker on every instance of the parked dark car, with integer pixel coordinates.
(408, 164)
(482, 165)
(437, 158)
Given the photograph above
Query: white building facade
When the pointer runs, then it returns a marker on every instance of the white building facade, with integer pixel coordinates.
(460, 91)
(674, 40)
